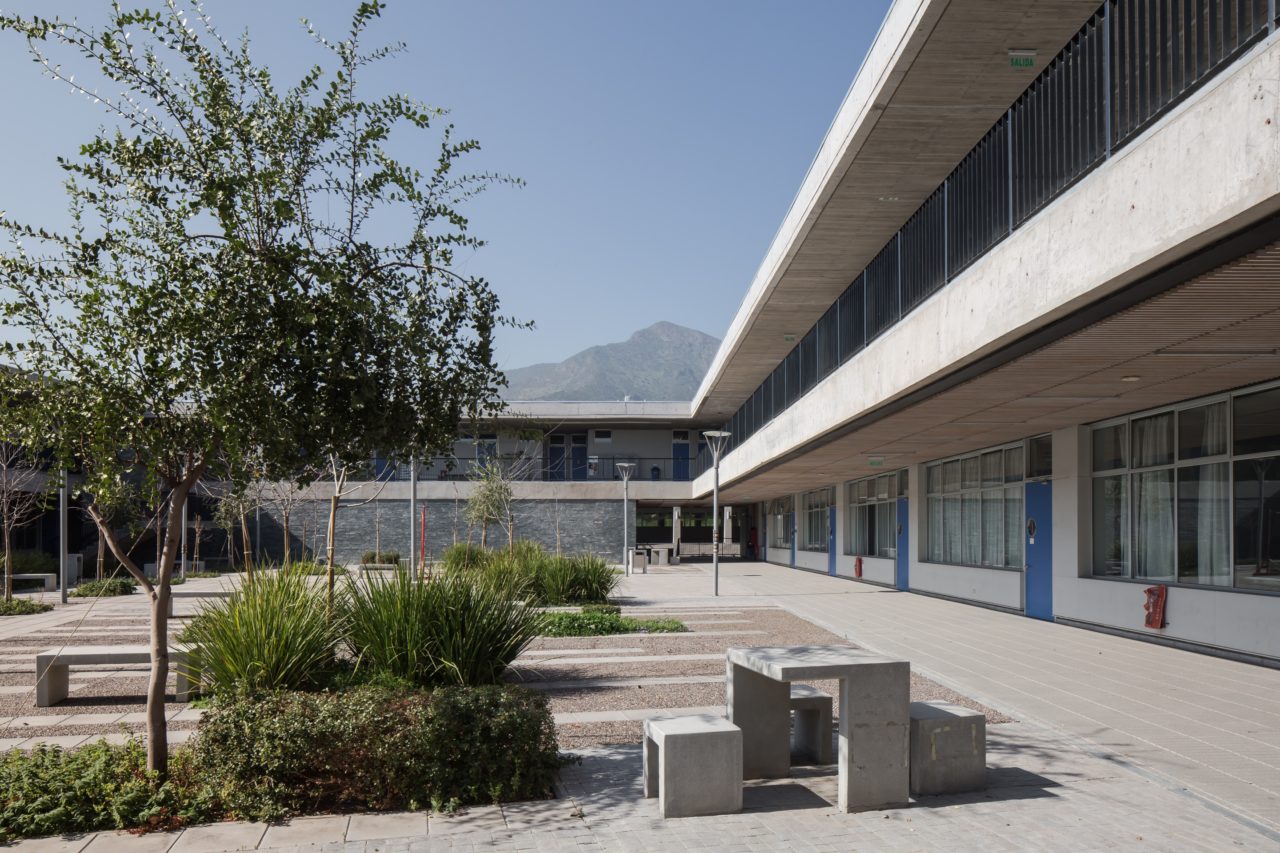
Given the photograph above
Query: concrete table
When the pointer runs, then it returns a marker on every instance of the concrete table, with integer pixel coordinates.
(875, 693)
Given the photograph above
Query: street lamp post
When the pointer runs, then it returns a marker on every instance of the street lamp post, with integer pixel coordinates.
(716, 440)
(625, 470)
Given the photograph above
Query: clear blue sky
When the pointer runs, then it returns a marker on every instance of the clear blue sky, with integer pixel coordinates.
(662, 140)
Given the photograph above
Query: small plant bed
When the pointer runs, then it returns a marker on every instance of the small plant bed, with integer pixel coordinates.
(105, 587)
(23, 607)
(203, 575)
(601, 622)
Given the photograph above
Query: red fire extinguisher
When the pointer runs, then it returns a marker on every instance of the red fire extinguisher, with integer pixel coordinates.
(857, 567)
(1154, 605)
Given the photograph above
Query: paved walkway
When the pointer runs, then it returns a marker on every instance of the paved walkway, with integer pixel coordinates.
(1199, 724)
(1119, 744)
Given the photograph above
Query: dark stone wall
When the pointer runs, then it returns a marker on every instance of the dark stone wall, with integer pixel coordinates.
(574, 526)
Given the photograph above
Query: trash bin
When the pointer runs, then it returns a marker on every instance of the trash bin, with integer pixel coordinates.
(639, 560)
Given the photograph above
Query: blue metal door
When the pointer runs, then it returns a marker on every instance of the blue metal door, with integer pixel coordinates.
(1039, 533)
(902, 558)
(555, 462)
(791, 520)
(831, 541)
(578, 461)
(680, 460)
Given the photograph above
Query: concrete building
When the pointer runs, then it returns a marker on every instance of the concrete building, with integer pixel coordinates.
(1016, 342)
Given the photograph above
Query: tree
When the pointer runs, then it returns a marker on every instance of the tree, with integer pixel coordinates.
(493, 499)
(23, 490)
(248, 273)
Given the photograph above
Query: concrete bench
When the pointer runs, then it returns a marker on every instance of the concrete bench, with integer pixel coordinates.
(948, 749)
(693, 765)
(52, 668)
(812, 736)
(49, 580)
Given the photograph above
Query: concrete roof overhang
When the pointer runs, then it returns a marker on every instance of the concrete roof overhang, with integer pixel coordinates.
(935, 80)
(1207, 324)
(603, 413)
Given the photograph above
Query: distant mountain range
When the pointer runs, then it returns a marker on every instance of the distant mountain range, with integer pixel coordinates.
(662, 362)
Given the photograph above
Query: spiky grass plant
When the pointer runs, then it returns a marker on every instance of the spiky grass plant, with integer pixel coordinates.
(276, 633)
(461, 628)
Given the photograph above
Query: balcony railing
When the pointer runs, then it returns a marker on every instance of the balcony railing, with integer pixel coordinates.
(569, 468)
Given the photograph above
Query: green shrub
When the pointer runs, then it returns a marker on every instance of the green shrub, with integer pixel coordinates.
(33, 563)
(275, 633)
(463, 556)
(461, 628)
(312, 568)
(373, 748)
(23, 607)
(98, 786)
(602, 608)
(193, 575)
(380, 558)
(105, 587)
(595, 623)
(594, 580)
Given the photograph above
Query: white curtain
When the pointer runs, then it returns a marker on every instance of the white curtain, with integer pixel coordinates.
(1213, 506)
(1153, 537)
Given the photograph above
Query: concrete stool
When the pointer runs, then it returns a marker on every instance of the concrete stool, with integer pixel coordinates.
(948, 749)
(812, 738)
(693, 765)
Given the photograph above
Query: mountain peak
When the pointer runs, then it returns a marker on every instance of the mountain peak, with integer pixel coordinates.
(664, 361)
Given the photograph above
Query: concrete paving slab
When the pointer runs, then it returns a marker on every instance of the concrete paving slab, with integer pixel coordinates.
(472, 819)
(305, 831)
(116, 842)
(56, 844)
(64, 741)
(543, 814)
(368, 827)
(92, 719)
(219, 837)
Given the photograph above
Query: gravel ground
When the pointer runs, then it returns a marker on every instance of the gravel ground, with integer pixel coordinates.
(782, 629)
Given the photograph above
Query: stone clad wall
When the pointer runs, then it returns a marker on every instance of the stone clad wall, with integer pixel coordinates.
(590, 526)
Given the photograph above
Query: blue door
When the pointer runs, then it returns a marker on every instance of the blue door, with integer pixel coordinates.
(555, 461)
(578, 458)
(831, 541)
(902, 560)
(1039, 533)
(680, 460)
(791, 520)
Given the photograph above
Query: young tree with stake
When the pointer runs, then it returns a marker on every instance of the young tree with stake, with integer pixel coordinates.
(221, 293)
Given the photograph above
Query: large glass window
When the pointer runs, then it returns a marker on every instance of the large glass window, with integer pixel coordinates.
(871, 515)
(780, 523)
(1191, 495)
(817, 520)
(974, 506)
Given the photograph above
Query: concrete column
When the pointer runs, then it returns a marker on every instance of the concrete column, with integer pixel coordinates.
(874, 737)
(917, 515)
(761, 707)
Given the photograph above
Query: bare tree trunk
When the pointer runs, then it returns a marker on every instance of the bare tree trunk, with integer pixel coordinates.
(102, 556)
(377, 533)
(157, 731)
(329, 543)
(284, 522)
(8, 562)
(247, 551)
(484, 533)
(511, 530)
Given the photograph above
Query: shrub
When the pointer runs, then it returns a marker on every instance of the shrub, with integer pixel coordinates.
(374, 748)
(463, 556)
(193, 575)
(311, 568)
(594, 580)
(595, 623)
(380, 558)
(23, 607)
(602, 608)
(105, 587)
(461, 628)
(33, 563)
(274, 633)
(98, 786)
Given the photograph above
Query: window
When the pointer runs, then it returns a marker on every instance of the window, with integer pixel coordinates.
(604, 436)
(1162, 496)
(780, 522)
(871, 515)
(817, 526)
(973, 510)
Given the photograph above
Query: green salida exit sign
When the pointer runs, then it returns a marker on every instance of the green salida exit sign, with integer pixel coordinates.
(1022, 59)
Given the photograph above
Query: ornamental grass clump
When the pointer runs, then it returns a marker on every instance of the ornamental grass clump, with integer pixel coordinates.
(275, 633)
(461, 628)
(105, 588)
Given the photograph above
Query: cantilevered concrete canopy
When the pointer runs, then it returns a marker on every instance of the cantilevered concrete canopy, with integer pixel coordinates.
(1217, 331)
(934, 82)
